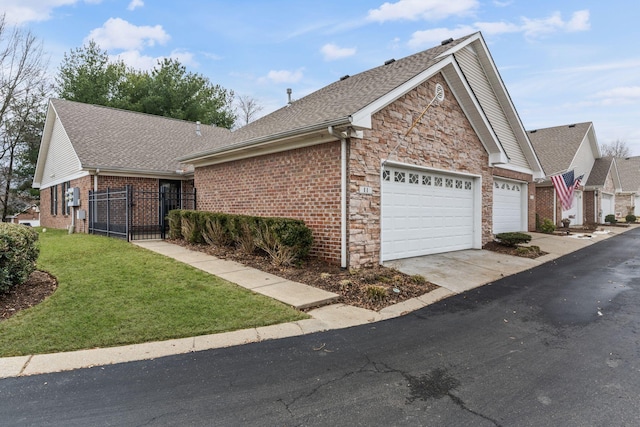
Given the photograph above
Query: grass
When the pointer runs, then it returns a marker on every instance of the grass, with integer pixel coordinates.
(113, 293)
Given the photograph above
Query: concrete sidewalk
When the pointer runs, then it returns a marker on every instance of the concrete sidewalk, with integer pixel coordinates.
(454, 272)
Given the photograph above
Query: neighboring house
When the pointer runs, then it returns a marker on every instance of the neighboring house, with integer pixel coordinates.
(628, 198)
(30, 216)
(339, 160)
(601, 189)
(569, 148)
(95, 148)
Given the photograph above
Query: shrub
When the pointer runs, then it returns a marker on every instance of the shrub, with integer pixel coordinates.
(547, 226)
(376, 293)
(284, 240)
(513, 239)
(611, 219)
(18, 254)
(631, 218)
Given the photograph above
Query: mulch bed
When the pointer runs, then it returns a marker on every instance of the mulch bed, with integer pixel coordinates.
(519, 251)
(38, 286)
(373, 288)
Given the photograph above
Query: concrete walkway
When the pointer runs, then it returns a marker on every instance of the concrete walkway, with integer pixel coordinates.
(454, 273)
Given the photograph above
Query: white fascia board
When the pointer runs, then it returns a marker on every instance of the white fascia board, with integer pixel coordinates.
(44, 145)
(362, 118)
(63, 179)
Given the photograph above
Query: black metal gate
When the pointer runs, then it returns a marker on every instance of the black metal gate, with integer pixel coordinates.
(135, 214)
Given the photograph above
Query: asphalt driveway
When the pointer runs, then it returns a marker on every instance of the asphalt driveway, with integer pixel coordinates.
(554, 345)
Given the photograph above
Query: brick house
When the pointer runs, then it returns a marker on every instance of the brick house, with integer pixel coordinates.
(30, 215)
(628, 196)
(94, 148)
(346, 160)
(574, 147)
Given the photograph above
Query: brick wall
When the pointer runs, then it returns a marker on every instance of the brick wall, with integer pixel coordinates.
(85, 184)
(545, 203)
(444, 139)
(302, 183)
(590, 201)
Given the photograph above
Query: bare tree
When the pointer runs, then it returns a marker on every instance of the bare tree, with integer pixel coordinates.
(617, 148)
(248, 107)
(23, 88)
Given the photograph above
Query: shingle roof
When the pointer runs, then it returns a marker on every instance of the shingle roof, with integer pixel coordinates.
(629, 171)
(117, 139)
(342, 98)
(599, 172)
(557, 146)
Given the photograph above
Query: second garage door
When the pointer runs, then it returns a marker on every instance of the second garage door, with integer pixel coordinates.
(425, 213)
(507, 206)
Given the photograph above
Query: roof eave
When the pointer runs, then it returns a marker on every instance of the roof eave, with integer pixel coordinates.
(261, 144)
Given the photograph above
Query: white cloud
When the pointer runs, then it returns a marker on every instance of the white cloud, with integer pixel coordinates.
(502, 3)
(137, 60)
(539, 27)
(531, 28)
(619, 94)
(332, 52)
(283, 76)
(22, 11)
(413, 10)
(135, 4)
(436, 35)
(117, 33)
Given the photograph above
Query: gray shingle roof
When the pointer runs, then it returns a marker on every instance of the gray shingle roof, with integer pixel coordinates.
(629, 171)
(117, 139)
(599, 172)
(557, 146)
(341, 99)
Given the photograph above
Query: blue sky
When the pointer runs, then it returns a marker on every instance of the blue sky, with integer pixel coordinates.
(562, 61)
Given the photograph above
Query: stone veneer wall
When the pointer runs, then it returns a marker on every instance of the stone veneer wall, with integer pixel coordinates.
(444, 139)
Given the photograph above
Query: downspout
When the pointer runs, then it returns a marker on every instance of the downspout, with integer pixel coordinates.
(555, 207)
(343, 197)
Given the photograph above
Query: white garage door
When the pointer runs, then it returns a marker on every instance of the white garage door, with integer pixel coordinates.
(637, 206)
(507, 206)
(608, 206)
(425, 213)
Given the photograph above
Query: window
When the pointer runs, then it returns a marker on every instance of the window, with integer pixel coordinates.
(426, 180)
(414, 178)
(66, 209)
(398, 176)
(386, 175)
(54, 200)
(448, 182)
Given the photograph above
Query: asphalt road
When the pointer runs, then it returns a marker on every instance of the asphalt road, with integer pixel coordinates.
(558, 345)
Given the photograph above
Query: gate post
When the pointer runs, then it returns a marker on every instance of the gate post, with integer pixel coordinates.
(127, 211)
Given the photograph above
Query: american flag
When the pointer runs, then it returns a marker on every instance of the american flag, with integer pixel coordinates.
(565, 185)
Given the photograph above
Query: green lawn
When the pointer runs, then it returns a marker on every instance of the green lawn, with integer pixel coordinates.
(113, 293)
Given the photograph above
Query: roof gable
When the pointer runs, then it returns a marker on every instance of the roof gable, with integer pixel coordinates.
(562, 148)
(116, 140)
(601, 169)
(351, 101)
(629, 170)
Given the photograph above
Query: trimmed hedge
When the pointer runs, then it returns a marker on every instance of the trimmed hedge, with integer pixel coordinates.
(611, 219)
(285, 240)
(631, 218)
(18, 254)
(513, 239)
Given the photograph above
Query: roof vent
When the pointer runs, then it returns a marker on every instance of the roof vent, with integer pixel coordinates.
(198, 129)
(390, 61)
(572, 126)
(289, 91)
(447, 41)
(344, 77)
(533, 131)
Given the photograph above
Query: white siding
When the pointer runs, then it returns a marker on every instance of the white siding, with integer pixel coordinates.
(478, 81)
(583, 160)
(62, 160)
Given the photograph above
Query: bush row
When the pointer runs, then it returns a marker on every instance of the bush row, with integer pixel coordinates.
(18, 254)
(284, 240)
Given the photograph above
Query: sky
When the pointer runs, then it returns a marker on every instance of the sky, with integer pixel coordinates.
(562, 62)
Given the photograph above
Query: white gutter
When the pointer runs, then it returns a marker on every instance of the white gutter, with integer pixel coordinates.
(343, 195)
